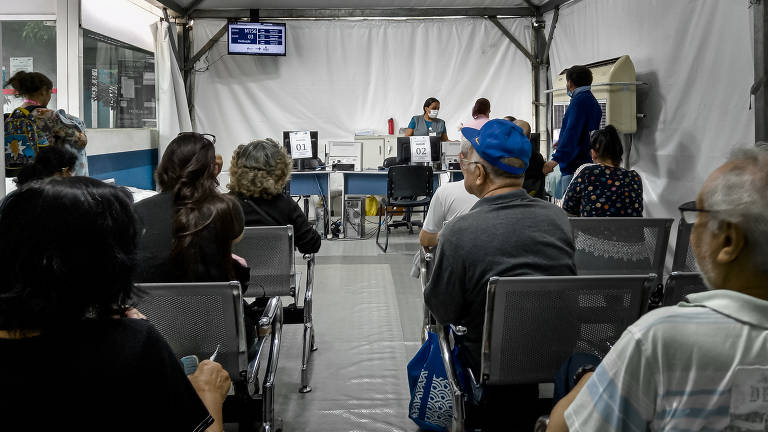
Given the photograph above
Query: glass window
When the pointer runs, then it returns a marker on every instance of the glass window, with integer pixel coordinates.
(119, 84)
(28, 46)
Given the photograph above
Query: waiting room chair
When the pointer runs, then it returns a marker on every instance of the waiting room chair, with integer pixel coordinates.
(408, 187)
(621, 246)
(196, 318)
(533, 324)
(680, 284)
(269, 252)
(684, 260)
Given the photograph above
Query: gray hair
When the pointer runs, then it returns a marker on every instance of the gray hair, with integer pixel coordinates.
(259, 169)
(740, 196)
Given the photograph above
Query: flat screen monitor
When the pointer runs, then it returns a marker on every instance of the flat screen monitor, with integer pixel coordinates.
(404, 149)
(256, 38)
(301, 163)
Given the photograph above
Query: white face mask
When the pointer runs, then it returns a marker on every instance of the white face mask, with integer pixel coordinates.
(433, 113)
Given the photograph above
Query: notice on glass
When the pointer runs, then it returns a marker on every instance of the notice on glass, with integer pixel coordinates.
(301, 145)
(25, 64)
(420, 149)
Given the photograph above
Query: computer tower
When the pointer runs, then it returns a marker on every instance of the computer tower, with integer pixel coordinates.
(354, 217)
(320, 221)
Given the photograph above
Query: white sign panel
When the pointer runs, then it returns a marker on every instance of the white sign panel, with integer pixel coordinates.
(301, 145)
(21, 64)
(420, 149)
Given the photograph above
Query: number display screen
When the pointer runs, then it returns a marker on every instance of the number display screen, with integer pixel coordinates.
(256, 38)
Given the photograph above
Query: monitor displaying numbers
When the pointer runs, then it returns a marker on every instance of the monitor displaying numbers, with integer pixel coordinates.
(256, 38)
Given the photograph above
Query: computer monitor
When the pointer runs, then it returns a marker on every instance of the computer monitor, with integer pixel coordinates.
(300, 164)
(404, 149)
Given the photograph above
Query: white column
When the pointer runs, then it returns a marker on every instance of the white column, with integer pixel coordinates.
(68, 57)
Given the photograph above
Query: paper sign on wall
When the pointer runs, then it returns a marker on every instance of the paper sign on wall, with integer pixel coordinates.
(21, 64)
(301, 145)
(420, 149)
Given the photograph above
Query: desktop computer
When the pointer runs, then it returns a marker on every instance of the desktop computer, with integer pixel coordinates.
(354, 217)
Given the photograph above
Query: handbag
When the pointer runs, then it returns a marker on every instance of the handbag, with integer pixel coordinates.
(431, 404)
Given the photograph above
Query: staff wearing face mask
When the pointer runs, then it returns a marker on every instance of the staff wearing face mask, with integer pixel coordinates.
(428, 124)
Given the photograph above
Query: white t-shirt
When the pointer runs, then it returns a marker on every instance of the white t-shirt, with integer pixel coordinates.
(691, 367)
(450, 200)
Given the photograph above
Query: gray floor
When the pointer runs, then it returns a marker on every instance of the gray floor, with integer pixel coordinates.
(367, 315)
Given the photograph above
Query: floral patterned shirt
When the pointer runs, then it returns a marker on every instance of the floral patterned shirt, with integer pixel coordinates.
(603, 191)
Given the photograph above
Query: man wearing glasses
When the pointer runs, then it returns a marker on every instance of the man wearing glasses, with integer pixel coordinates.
(703, 364)
(506, 233)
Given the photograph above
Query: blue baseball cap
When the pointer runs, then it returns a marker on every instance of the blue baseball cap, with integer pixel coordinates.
(500, 139)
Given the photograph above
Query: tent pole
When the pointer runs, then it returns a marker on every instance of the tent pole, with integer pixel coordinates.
(760, 87)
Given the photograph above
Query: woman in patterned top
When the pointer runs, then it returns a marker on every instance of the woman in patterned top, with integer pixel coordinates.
(604, 189)
(59, 129)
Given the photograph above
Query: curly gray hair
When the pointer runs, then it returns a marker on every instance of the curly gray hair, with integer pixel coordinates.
(259, 169)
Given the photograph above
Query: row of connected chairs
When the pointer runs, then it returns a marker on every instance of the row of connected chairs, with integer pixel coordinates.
(619, 261)
(195, 318)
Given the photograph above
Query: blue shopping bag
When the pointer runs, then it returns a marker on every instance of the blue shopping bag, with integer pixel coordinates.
(431, 405)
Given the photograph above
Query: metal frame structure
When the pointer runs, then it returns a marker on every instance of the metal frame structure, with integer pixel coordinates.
(537, 54)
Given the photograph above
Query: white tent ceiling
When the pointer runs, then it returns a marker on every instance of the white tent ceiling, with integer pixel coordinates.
(355, 4)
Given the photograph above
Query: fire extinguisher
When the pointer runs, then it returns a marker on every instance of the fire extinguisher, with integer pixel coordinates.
(391, 124)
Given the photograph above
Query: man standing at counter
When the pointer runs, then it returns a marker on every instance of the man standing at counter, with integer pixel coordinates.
(582, 116)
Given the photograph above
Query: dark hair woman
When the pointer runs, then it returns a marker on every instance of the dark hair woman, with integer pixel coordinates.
(480, 114)
(50, 127)
(51, 161)
(605, 189)
(427, 123)
(62, 313)
(189, 228)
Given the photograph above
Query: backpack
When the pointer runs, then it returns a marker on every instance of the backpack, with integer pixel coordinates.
(23, 139)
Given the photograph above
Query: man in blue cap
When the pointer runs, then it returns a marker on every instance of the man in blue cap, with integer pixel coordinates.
(506, 233)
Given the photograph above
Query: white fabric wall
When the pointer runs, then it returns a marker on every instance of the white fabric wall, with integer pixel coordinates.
(172, 112)
(120, 19)
(340, 76)
(697, 58)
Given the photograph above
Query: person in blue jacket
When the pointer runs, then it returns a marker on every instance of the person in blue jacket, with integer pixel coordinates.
(582, 117)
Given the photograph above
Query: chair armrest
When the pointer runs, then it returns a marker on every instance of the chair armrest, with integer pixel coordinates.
(425, 258)
(457, 422)
(310, 259)
(270, 329)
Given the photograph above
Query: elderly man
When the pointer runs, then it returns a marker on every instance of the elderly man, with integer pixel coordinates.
(506, 233)
(700, 365)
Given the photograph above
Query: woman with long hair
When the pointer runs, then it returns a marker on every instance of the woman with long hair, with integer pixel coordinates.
(189, 228)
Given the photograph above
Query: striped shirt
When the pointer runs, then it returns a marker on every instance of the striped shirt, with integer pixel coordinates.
(698, 366)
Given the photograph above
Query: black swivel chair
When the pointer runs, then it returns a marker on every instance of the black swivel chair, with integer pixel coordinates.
(684, 260)
(408, 187)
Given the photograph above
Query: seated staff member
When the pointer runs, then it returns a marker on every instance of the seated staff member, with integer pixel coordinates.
(428, 124)
(257, 175)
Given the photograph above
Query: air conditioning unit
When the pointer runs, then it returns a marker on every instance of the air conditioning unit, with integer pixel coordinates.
(614, 85)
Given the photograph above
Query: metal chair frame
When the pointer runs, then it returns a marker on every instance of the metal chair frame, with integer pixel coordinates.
(680, 284)
(501, 288)
(294, 314)
(392, 200)
(684, 260)
(249, 397)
